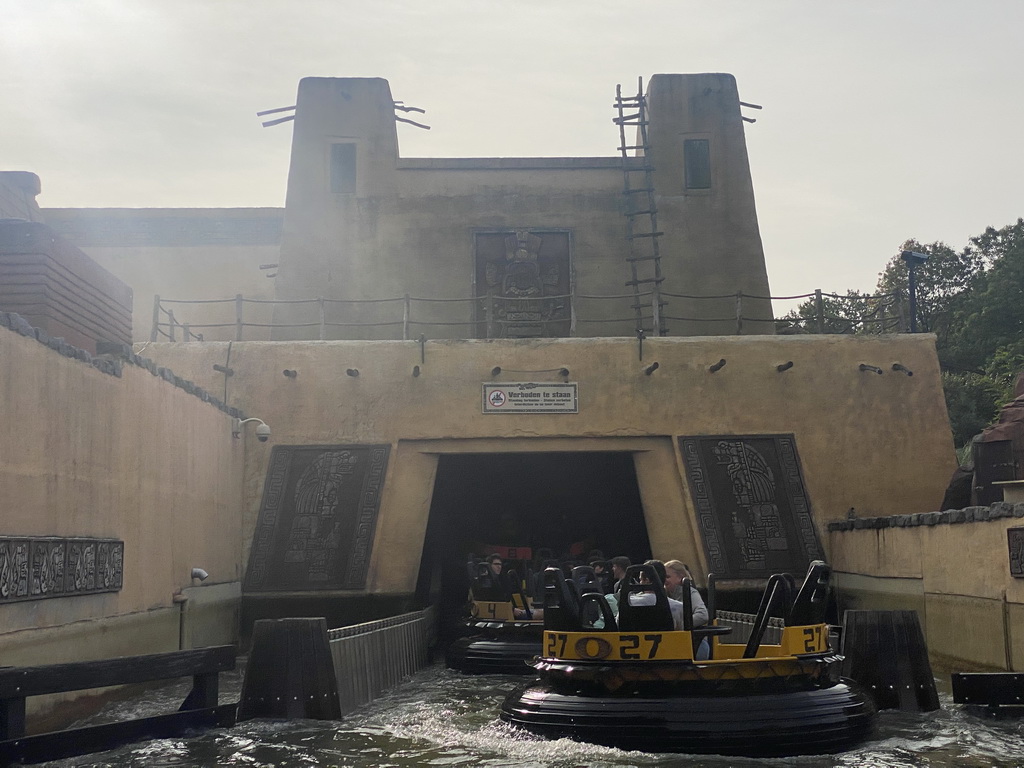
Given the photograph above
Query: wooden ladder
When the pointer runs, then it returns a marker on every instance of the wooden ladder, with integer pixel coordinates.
(641, 213)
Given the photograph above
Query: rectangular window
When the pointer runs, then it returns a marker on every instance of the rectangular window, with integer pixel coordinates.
(343, 168)
(697, 158)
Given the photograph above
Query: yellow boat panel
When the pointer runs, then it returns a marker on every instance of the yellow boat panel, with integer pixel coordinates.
(675, 646)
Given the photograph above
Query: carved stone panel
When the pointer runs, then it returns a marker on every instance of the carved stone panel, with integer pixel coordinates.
(522, 284)
(1015, 539)
(318, 517)
(38, 568)
(752, 509)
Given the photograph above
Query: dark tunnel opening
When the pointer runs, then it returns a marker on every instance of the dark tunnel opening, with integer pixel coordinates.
(569, 503)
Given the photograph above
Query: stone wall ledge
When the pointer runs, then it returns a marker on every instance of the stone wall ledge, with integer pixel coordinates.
(111, 360)
(998, 511)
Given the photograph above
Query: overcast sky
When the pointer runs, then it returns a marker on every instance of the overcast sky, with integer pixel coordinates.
(882, 119)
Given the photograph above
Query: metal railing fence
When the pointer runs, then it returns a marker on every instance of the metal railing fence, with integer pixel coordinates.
(373, 657)
(743, 623)
(822, 312)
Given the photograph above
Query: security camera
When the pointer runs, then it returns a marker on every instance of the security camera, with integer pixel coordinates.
(262, 433)
(914, 256)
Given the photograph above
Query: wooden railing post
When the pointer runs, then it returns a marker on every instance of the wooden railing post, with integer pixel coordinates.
(405, 318)
(323, 318)
(154, 332)
(12, 718)
(819, 311)
(239, 324)
(739, 312)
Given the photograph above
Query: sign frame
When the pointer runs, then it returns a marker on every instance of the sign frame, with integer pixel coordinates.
(538, 397)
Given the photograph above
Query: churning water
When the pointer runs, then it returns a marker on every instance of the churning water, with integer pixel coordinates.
(445, 718)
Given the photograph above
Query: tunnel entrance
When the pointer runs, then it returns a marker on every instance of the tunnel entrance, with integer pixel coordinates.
(569, 503)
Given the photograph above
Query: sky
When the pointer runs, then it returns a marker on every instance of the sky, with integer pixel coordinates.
(883, 120)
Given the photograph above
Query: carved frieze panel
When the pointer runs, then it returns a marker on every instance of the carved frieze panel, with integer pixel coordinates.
(522, 284)
(752, 510)
(318, 517)
(1015, 539)
(38, 568)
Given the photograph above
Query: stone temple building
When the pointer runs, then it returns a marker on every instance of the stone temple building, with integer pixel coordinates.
(537, 244)
(448, 358)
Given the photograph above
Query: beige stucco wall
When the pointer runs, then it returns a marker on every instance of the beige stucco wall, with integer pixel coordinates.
(955, 575)
(84, 453)
(880, 444)
(408, 228)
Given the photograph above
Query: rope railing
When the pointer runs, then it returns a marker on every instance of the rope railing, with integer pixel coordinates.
(551, 315)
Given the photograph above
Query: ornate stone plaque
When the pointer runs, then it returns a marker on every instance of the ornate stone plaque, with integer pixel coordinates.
(318, 517)
(37, 568)
(523, 284)
(1015, 538)
(752, 509)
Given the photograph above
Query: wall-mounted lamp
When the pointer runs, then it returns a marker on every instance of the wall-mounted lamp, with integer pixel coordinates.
(903, 368)
(865, 367)
(415, 371)
(262, 430)
(290, 373)
(496, 371)
(353, 372)
(717, 366)
(784, 366)
(199, 573)
(652, 368)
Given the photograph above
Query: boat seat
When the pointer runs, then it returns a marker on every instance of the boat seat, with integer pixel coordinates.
(811, 601)
(594, 607)
(561, 605)
(488, 588)
(653, 617)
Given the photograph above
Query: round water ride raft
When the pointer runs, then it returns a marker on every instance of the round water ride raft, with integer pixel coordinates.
(633, 682)
(498, 643)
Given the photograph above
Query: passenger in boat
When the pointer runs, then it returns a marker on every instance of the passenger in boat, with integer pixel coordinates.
(675, 572)
(500, 577)
(603, 572)
(619, 565)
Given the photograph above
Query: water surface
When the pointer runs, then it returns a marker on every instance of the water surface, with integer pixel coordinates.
(444, 718)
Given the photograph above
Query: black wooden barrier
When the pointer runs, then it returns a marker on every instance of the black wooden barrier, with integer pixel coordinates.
(290, 673)
(991, 690)
(885, 652)
(199, 710)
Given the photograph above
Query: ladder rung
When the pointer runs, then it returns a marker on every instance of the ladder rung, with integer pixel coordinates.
(647, 234)
(644, 147)
(642, 258)
(637, 191)
(645, 280)
(641, 213)
(645, 306)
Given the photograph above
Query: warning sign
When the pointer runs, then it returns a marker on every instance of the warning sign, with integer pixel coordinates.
(530, 397)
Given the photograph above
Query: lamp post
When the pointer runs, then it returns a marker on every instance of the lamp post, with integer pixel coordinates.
(913, 258)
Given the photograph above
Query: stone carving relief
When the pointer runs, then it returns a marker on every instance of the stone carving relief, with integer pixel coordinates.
(1015, 539)
(523, 282)
(38, 568)
(752, 509)
(318, 517)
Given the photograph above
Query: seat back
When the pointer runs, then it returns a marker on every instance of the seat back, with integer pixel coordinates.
(653, 617)
(811, 601)
(489, 588)
(561, 606)
(594, 606)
